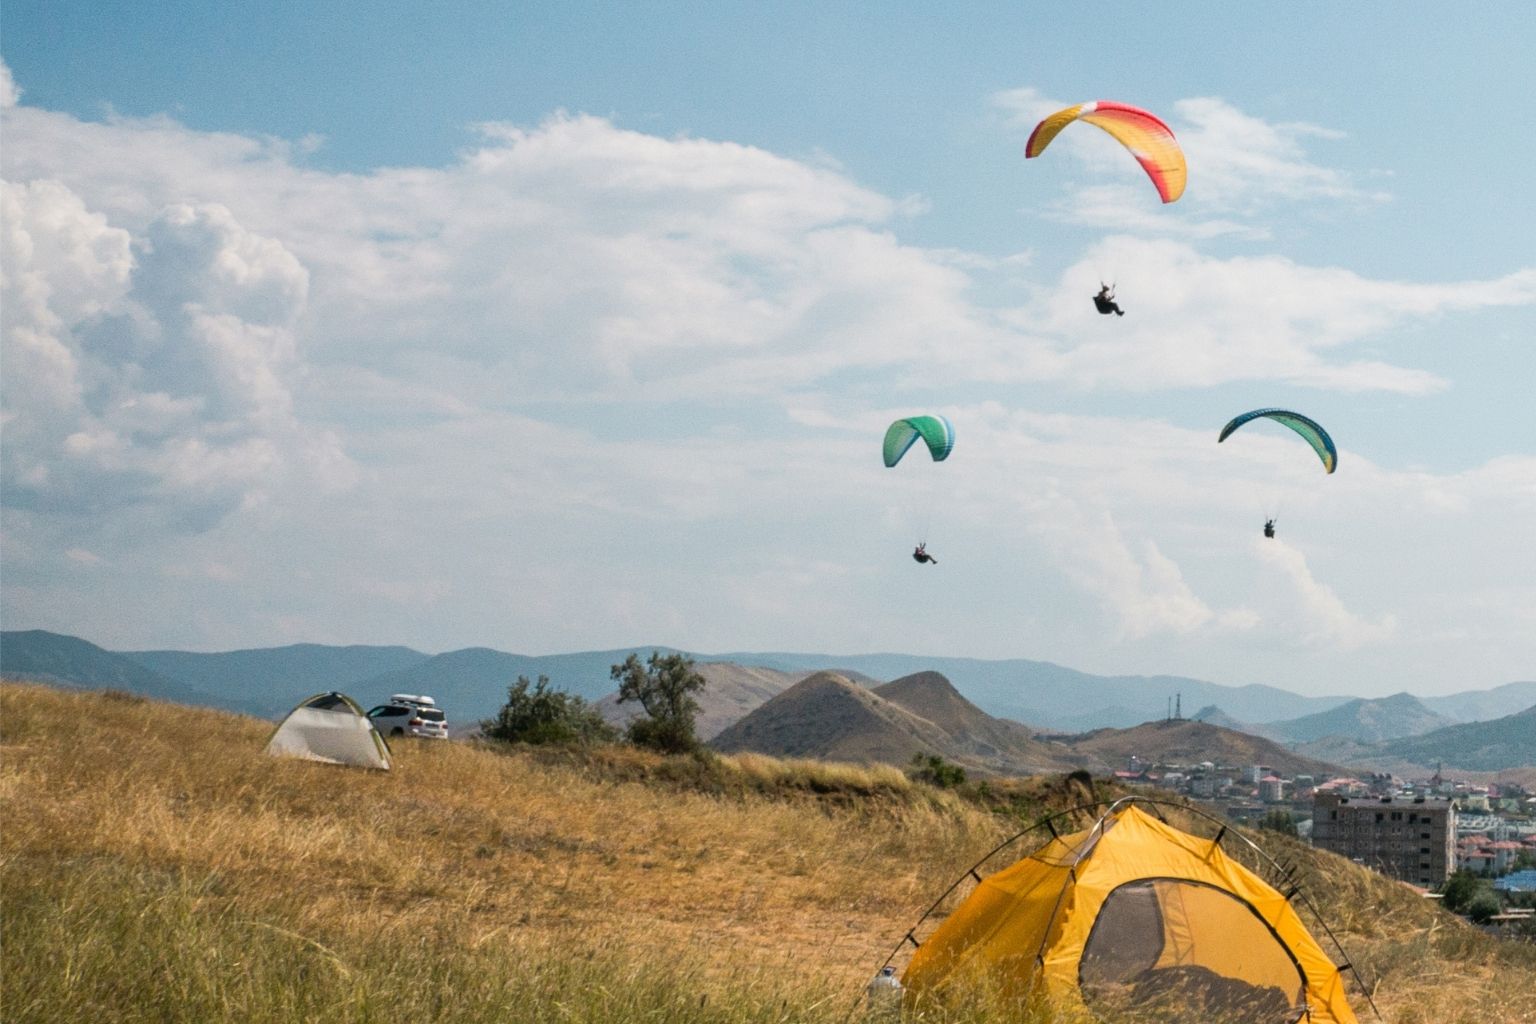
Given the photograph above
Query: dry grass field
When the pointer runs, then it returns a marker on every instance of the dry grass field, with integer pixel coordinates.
(155, 867)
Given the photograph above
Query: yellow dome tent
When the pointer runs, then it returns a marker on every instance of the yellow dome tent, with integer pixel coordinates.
(1133, 919)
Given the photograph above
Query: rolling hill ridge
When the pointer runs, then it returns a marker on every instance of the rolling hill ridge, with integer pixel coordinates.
(472, 683)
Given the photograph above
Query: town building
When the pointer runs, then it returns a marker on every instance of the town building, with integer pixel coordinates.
(1272, 789)
(1520, 881)
(1413, 840)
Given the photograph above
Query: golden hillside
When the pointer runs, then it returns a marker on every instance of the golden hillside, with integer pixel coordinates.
(154, 866)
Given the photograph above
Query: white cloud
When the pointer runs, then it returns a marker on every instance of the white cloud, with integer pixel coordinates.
(1027, 106)
(10, 94)
(61, 265)
(1197, 321)
(1123, 208)
(1327, 620)
(583, 261)
(1145, 593)
(1241, 162)
(153, 384)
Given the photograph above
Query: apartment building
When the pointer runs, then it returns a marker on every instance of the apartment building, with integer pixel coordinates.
(1410, 838)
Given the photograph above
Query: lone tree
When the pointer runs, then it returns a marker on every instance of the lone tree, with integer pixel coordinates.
(1460, 890)
(1279, 821)
(662, 686)
(542, 715)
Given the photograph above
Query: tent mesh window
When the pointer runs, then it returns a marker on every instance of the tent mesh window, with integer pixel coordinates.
(1182, 952)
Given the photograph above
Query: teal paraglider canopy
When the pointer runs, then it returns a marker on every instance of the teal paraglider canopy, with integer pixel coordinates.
(936, 431)
(1310, 429)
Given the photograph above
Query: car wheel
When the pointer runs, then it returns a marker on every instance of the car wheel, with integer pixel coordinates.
(398, 731)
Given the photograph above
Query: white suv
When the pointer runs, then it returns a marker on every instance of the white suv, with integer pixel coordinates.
(410, 715)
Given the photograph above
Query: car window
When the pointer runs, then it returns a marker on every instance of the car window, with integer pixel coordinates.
(387, 712)
(432, 716)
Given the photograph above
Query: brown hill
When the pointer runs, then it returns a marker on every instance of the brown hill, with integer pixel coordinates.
(973, 733)
(828, 716)
(1185, 741)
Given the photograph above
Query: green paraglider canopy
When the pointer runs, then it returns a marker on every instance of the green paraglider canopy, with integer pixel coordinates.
(1316, 436)
(936, 431)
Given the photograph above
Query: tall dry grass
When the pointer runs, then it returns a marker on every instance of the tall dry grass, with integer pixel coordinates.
(154, 866)
(157, 867)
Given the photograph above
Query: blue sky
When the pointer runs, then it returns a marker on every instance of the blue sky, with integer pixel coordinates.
(576, 326)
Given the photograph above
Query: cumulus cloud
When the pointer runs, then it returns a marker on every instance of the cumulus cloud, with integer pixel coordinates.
(577, 254)
(62, 265)
(151, 376)
(584, 261)
(1245, 318)
(1245, 162)
(1326, 619)
(1144, 591)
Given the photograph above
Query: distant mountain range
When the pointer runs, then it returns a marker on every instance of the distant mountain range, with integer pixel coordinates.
(1491, 746)
(80, 664)
(1052, 696)
(1368, 721)
(730, 693)
(471, 684)
(278, 677)
(828, 717)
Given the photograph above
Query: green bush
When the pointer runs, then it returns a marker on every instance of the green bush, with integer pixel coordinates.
(543, 715)
(932, 768)
(1482, 907)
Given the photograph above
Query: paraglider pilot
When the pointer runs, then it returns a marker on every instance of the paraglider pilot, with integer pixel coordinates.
(1105, 300)
(920, 554)
(1269, 527)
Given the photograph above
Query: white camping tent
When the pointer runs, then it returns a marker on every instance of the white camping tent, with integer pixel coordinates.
(330, 727)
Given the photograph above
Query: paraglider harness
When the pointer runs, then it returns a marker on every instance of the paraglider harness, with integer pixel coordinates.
(920, 554)
(1104, 302)
(1269, 527)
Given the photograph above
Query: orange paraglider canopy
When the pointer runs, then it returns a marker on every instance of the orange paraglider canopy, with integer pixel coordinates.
(1150, 141)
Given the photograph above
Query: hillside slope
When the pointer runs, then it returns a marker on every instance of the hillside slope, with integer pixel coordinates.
(274, 679)
(829, 717)
(1365, 721)
(472, 683)
(1060, 698)
(1503, 743)
(183, 877)
(972, 732)
(1485, 705)
(69, 661)
(1184, 741)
